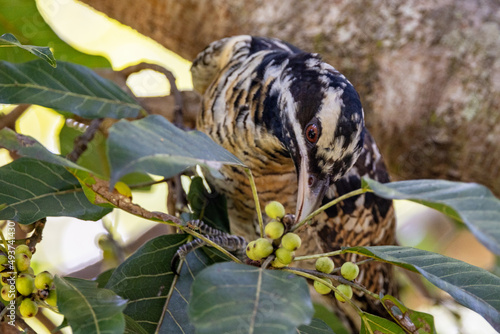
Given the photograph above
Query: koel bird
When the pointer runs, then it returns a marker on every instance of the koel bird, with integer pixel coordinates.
(298, 124)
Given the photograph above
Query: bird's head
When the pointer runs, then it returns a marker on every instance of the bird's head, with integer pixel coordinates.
(323, 126)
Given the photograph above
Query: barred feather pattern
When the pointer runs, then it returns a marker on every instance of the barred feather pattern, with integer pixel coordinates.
(232, 243)
(251, 88)
(364, 220)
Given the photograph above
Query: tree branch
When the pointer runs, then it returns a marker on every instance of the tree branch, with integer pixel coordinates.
(82, 142)
(9, 120)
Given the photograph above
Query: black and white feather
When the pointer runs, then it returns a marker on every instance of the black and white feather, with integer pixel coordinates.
(297, 123)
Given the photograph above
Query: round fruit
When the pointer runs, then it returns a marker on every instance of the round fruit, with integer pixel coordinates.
(44, 280)
(349, 271)
(284, 256)
(263, 248)
(275, 210)
(3, 260)
(277, 264)
(25, 284)
(346, 290)
(7, 295)
(22, 262)
(251, 251)
(28, 308)
(321, 288)
(29, 271)
(291, 241)
(23, 249)
(274, 229)
(52, 298)
(325, 265)
(6, 277)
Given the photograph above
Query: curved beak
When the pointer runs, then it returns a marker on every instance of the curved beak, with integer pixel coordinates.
(311, 191)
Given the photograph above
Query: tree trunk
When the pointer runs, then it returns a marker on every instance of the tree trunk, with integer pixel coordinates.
(428, 72)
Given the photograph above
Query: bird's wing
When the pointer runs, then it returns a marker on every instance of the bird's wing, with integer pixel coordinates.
(231, 51)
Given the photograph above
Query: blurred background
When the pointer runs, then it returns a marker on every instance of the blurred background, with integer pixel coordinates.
(74, 247)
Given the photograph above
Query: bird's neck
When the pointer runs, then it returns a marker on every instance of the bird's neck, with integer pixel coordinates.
(275, 179)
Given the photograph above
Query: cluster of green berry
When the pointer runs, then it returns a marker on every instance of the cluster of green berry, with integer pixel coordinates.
(282, 244)
(19, 283)
(348, 270)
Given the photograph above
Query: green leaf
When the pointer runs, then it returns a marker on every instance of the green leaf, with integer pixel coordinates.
(103, 278)
(132, 327)
(316, 326)
(93, 158)
(209, 207)
(33, 189)
(29, 147)
(330, 318)
(471, 286)
(21, 18)
(470, 203)
(154, 145)
(89, 309)
(39, 51)
(229, 297)
(175, 319)
(146, 278)
(372, 324)
(411, 320)
(69, 87)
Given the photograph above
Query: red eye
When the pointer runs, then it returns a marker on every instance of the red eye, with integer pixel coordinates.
(312, 133)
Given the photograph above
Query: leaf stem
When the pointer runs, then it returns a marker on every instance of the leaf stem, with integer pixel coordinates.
(256, 199)
(328, 284)
(340, 279)
(330, 204)
(317, 256)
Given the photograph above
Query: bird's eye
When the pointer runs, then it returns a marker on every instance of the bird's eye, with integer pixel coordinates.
(312, 133)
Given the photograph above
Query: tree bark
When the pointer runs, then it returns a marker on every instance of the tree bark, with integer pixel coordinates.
(428, 72)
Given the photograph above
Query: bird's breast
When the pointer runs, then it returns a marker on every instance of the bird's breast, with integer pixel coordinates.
(275, 179)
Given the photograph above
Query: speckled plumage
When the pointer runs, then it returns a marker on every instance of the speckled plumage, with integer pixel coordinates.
(298, 124)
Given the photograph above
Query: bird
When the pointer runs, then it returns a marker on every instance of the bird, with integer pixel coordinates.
(298, 124)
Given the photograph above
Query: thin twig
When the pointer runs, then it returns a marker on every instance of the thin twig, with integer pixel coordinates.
(9, 120)
(317, 256)
(339, 279)
(105, 195)
(82, 142)
(256, 200)
(36, 236)
(329, 204)
(178, 107)
(328, 284)
(268, 261)
(176, 197)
